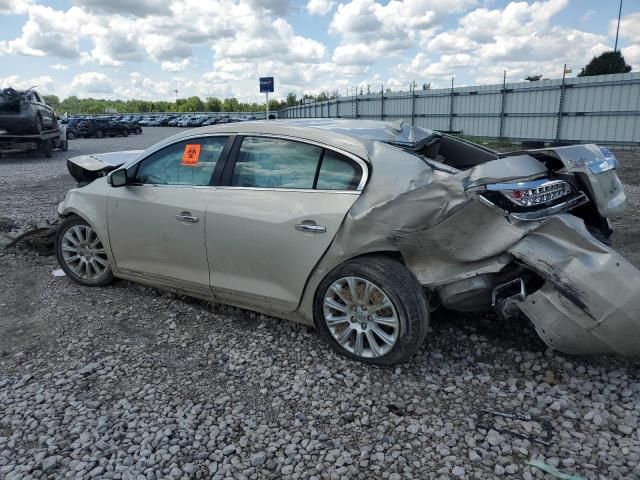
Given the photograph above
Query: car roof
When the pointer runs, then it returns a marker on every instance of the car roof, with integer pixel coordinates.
(354, 136)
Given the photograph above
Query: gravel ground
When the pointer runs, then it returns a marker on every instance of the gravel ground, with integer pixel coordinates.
(129, 382)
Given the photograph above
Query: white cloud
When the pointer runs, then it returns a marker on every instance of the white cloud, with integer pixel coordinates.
(629, 37)
(43, 84)
(241, 40)
(320, 7)
(175, 67)
(89, 83)
(14, 6)
(388, 28)
(138, 8)
(47, 32)
(519, 38)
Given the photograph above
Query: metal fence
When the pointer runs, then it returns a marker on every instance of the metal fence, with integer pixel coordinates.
(604, 109)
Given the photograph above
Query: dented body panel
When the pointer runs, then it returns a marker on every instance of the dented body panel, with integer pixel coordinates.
(590, 301)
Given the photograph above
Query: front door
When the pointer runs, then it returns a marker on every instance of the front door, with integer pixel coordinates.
(157, 223)
(269, 226)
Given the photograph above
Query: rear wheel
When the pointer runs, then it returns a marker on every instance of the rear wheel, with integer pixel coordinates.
(99, 133)
(81, 254)
(71, 135)
(47, 148)
(125, 133)
(372, 309)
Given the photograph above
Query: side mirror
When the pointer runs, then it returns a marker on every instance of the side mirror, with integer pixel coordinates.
(117, 178)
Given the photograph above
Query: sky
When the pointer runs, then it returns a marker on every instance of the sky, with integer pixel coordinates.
(147, 49)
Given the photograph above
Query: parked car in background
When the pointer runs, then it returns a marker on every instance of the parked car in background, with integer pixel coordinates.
(72, 128)
(165, 120)
(133, 129)
(184, 121)
(98, 127)
(25, 112)
(360, 228)
(145, 121)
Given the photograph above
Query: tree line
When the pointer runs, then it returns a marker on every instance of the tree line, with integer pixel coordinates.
(76, 105)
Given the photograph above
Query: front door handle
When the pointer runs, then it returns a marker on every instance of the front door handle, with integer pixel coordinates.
(311, 228)
(187, 217)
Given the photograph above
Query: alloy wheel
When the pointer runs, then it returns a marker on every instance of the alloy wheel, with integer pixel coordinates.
(361, 317)
(84, 254)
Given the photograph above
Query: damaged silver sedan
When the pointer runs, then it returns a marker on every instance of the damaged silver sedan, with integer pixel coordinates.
(358, 228)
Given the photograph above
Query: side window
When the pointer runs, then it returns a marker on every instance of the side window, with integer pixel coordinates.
(190, 162)
(338, 172)
(275, 163)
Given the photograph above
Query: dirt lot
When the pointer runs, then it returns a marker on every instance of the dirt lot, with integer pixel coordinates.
(129, 382)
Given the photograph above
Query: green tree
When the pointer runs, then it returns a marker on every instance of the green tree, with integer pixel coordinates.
(292, 99)
(606, 63)
(230, 105)
(52, 100)
(194, 104)
(213, 104)
(533, 78)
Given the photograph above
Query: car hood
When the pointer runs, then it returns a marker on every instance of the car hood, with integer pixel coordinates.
(99, 161)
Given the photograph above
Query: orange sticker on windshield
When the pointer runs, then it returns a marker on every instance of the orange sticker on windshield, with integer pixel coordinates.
(191, 154)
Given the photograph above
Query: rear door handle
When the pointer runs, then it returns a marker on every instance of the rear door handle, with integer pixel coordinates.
(311, 228)
(187, 217)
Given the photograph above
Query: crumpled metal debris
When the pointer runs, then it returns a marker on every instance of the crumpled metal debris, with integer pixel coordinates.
(484, 423)
(39, 236)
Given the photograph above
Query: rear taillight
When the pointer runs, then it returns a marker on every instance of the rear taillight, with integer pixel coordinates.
(531, 194)
(532, 200)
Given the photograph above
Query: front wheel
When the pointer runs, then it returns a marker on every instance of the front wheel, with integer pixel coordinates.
(81, 254)
(125, 133)
(372, 309)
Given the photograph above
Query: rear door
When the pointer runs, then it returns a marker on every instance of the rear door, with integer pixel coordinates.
(280, 204)
(157, 224)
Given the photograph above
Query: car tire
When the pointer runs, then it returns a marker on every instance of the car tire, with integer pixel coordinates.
(383, 286)
(99, 133)
(125, 133)
(71, 135)
(138, 131)
(47, 148)
(81, 254)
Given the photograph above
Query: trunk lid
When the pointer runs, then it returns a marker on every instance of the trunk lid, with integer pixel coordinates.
(86, 168)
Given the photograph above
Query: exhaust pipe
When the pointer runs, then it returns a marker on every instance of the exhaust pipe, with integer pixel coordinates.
(506, 296)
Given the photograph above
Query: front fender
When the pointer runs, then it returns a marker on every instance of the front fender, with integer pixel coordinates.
(90, 203)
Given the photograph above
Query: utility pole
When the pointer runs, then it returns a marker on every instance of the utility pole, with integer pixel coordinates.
(615, 48)
(176, 92)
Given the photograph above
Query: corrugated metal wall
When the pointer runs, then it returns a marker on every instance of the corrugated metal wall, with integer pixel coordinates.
(604, 109)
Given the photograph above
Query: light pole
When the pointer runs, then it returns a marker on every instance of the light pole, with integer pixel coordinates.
(615, 48)
(176, 92)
